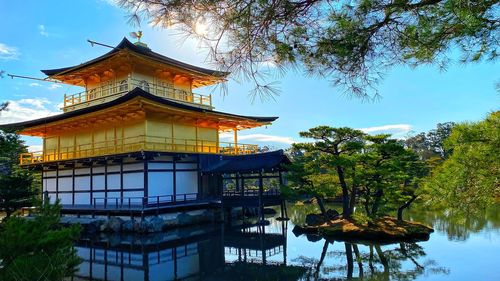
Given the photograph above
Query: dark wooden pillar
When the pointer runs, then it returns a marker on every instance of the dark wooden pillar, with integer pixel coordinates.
(146, 175)
(57, 181)
(121, 180)
(73, 184)
(174, 169)
(91, 182)
(105, 183)
(261, 193)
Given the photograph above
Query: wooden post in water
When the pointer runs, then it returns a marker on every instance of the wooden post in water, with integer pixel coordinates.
(261, 203)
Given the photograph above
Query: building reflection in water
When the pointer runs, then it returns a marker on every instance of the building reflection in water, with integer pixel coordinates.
(213, 252)
(245, 252)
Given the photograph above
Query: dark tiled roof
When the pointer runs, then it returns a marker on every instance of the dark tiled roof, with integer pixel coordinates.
(125, 44)
(137, 92)
(243, 163)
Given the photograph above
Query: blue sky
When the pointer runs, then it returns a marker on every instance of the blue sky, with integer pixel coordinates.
(50, 34)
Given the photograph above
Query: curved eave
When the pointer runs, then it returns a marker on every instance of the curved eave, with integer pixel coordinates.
(137, 92)
(143, 51)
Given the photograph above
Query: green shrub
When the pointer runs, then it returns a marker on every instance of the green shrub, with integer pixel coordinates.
(37, 248)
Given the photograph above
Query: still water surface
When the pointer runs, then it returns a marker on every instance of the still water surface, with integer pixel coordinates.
(461, 248)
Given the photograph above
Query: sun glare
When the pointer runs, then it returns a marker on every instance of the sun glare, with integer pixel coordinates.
(201, 28)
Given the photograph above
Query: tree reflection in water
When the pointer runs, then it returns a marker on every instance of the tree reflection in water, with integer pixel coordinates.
(403, 261)
(459, 225)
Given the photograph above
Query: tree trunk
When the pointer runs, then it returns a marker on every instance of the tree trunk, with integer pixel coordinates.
(358, 259)
(404, 206)
(346, 212)
(405, 253)
(319, 200)
(350, 261)
(367, 203)
(378, 196)
(370, 260)
(352, 201)
(383, 260)
(321, 259)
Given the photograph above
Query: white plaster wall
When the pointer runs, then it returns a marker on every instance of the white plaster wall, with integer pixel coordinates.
(113, 195)
(160, 183)
(82, 198)
(98, 182)
(66, 198)
(133, 180)
(82, 183)
(136, 197)
(114, 181)
(65, 184)
(187, 182)
(98, 195)
(49, 184)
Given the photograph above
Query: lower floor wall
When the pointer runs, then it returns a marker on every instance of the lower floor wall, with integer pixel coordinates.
(129, 182)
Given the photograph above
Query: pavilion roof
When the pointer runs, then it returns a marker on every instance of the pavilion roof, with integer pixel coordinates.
(132, 104)
(125, 48)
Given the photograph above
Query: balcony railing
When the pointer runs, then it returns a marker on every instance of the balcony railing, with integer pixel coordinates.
(138, 143)
(114, 90)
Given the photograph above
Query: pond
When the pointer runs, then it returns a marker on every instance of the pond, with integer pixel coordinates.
(461, 248)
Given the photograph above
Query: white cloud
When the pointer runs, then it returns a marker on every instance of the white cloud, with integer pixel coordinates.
(54, 86)
(37, 103)
(35, 85)
(259, 138)
(35, 147)
(26, 109)
(395, 129)
(110, 2)
(43, 31)
(8, 52)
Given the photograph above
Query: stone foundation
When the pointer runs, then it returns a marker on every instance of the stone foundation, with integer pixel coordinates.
(149, 224)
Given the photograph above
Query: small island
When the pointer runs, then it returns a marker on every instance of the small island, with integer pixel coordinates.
(385, 229)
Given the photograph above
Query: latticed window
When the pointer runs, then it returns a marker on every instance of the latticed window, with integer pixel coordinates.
(91, 94)
(144, 85)
(105, 89)
(123, 86)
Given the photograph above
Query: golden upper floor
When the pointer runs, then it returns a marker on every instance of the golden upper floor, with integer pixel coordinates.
(112, 89)
(128, 66)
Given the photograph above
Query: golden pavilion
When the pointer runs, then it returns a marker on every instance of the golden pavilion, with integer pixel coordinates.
(138, 139)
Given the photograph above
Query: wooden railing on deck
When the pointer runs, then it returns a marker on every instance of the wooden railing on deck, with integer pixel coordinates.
(120, 88)
(138, 143)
